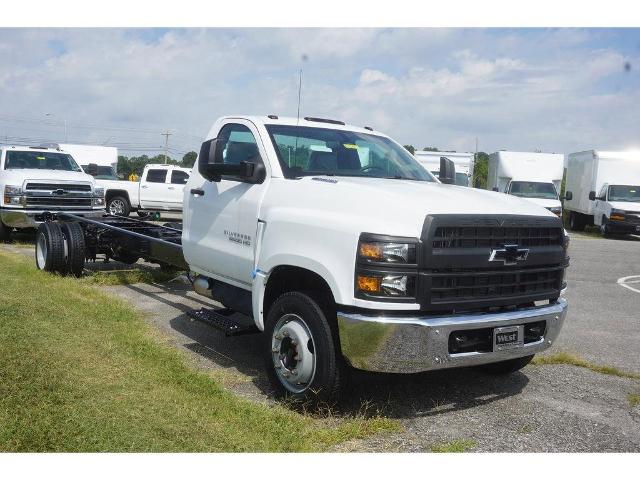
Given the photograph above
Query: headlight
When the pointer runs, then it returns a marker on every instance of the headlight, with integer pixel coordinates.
(556, 210)
(12, 195)
(616, 214)
(386, 267)
(98, 196)
(386, 252)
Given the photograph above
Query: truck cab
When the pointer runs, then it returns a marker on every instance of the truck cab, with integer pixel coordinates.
(36, 181)
(541, 193)
(345, 251)
(617, 209)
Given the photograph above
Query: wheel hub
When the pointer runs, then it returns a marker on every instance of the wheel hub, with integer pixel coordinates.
(293, 353)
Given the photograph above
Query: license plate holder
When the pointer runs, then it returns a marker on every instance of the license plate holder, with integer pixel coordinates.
(508, 338)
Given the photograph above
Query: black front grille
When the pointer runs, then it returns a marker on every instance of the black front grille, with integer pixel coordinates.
(69, 187)
(463, 264)
(494, 237)
(493, 284)
(57, 202)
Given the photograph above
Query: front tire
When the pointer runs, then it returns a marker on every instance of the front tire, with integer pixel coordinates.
(575, 222)
(119, 206)
(5, 232)
(507, 366)
(300, 351)
(604, 227)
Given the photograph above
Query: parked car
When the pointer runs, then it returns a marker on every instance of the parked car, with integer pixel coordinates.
(161, 188)
(37, 180)
(531, 175)
(603, 189)
(334, 241)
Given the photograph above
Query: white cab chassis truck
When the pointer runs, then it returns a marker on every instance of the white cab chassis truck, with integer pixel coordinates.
(343, 252)
(161, 188)
(531, 175)
(463, 162)
(603, 189)
(37, 181)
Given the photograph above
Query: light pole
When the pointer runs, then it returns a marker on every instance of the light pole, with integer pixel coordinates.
(64, 120)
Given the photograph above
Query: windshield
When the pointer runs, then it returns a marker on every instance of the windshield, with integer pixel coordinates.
(534, 190)
(16, 160)
(323, 151)
(103, 173)
(624, 193)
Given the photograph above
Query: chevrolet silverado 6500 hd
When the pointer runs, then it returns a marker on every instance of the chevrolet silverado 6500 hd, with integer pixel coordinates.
(343, 250)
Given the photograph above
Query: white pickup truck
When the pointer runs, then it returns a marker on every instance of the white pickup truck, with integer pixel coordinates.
(35, 180)
(161, 188)
(345, 252)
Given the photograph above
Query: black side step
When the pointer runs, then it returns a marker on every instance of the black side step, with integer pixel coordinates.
(220, 319)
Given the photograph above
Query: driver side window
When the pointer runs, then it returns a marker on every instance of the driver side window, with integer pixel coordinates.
(237, 144)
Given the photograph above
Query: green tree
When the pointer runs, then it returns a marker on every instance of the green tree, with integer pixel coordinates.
(480, 170)
(430, 149)
(410, 148)
(189, 159)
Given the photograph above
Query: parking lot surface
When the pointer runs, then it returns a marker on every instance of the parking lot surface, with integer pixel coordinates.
(542, 408)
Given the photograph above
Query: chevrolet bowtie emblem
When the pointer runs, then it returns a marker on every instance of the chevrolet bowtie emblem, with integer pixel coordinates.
(509, 254)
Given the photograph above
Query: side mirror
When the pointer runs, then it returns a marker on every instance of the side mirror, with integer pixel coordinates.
(92, 169)
(568, 195)
(592, 195)
(250, 172)
(495, 189)
(447, 171)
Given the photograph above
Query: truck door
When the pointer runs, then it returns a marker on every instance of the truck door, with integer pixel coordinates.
(153, 188)
(600, 206)
(221, 218)
(177, 181)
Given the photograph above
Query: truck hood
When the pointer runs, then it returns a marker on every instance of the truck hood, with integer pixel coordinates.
(18, 177)
(627, 206)
(386, 206)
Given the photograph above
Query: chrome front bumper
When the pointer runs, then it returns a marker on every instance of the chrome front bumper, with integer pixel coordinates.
(416, 344)
(17, 218)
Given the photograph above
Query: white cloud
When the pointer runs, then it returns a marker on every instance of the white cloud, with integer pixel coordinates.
(559, 90)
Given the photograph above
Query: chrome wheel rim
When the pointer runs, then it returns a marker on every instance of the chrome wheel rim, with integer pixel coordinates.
(116, 207)
(41, 252)
(293, 353)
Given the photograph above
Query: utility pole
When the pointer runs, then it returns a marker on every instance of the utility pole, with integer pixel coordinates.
(166, 144)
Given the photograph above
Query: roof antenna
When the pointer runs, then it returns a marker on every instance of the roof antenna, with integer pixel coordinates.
(299, 95)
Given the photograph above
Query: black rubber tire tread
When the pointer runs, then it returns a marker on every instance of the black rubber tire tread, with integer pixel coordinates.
(327, 385)
(5, 232)
(127, 206)
(507, 366)
(578, 225)
(74, 235)
(54, 261)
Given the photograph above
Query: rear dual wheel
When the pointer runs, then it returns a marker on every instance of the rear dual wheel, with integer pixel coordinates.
(60, 248)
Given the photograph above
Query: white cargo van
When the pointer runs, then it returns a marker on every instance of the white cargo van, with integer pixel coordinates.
(531, 175)
(463, 162)
(603, 189)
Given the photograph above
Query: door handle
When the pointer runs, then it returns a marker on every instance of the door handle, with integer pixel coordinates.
(171, 188)
(144, 186)
(197, 191)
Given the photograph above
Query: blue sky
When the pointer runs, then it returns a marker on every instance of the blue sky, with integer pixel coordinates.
(557, 90)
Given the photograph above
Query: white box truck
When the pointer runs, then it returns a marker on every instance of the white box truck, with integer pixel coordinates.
(463, 162)
(603, 189)
(531, 175)
(345, 262)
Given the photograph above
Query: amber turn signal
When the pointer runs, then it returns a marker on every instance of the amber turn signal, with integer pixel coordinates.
(371, 251)
(369, 284)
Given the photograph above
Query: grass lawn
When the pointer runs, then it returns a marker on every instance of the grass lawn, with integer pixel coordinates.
(80, 371)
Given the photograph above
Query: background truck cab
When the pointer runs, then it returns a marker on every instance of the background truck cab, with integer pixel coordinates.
(603, 189)
(531, 175)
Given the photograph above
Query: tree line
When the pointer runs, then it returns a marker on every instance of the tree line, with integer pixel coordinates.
(129, 165)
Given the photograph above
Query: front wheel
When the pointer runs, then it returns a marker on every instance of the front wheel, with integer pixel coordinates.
(119, 206)
(300, 351)
(507, 366)
(5, 232)
(575, 222)
(604, 227)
